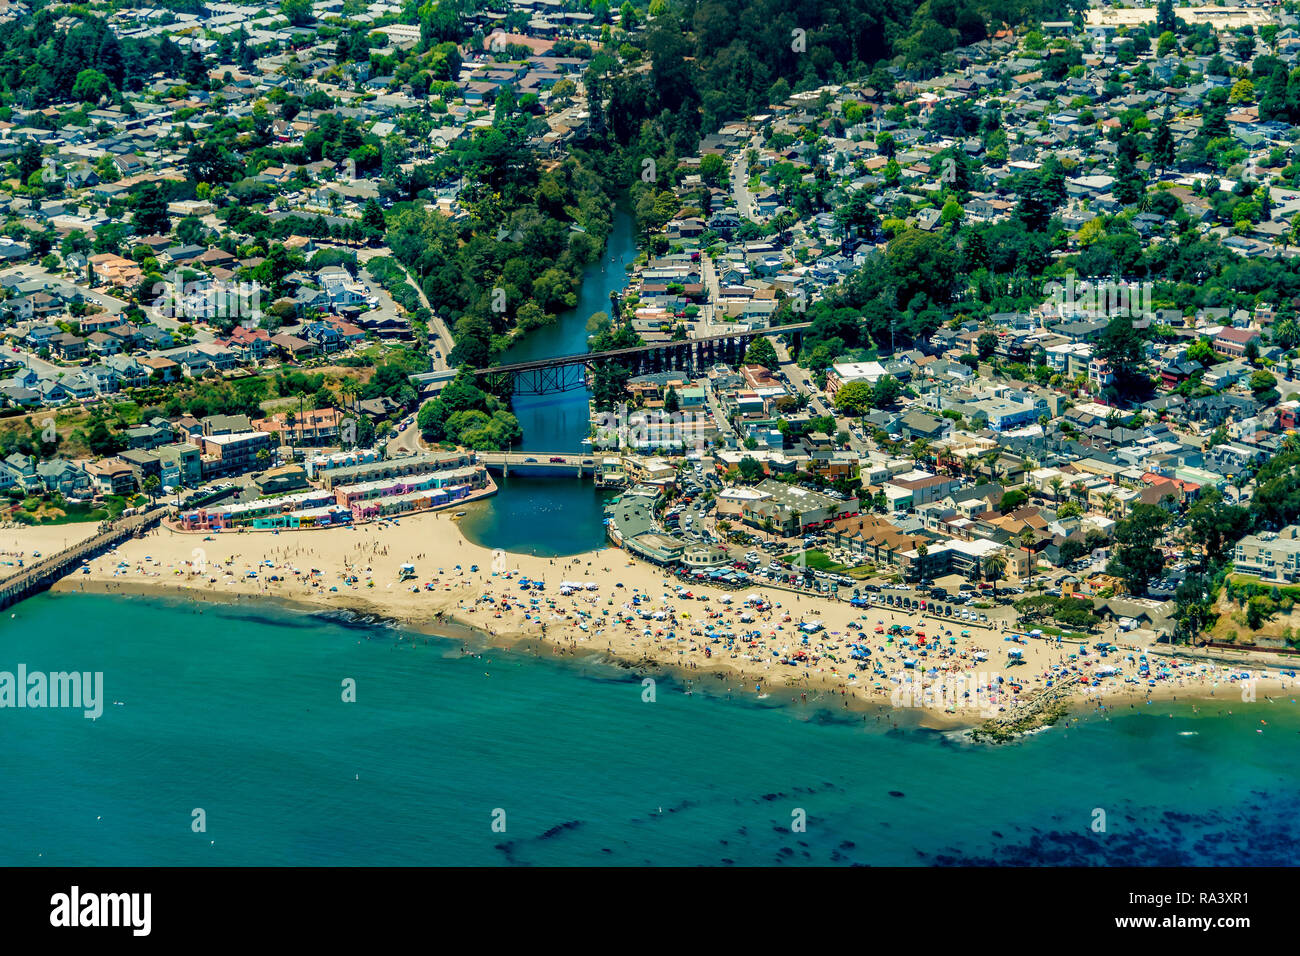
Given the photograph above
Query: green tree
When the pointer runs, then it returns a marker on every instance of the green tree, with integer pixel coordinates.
(1193, 610)
(886, 391)
(1214, 526)
(1165, 19)
(1011, 500)
(761, 352)
(1286, 332)
(855, 398)
(90, 86)
(1202, 351)
(298, 12)
(994, 566)
(713, 169)
(372, 220)
(150, 216)
(1138, 556)
(1120, 345)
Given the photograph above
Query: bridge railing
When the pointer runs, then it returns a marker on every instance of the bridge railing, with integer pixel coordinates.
(30, 579)
(581, 358)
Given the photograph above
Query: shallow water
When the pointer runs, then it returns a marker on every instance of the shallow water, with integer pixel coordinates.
(239, 712)
(549, 515)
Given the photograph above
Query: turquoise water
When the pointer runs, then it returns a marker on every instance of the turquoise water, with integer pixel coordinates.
(239, 712)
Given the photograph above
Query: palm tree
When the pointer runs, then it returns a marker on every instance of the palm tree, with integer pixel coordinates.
(1057, 484)
(349, 389)
(1286, 333)
(151, 486)
(1080, 491)
(289, 421)
(1107, 499)
(994, 567)
(922, 552)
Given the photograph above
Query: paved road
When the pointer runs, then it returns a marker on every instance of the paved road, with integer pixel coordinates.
(801, 381)
(405, 443)
(726, 434)
(439, 333)
(37, 364)
(440, 340)
(740, 181)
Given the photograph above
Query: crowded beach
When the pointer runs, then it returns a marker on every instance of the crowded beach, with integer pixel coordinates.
(422, 572)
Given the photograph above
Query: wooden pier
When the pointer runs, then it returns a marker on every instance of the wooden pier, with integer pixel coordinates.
(41, 575)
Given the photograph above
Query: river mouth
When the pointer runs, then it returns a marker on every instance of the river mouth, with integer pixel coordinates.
(544, 513)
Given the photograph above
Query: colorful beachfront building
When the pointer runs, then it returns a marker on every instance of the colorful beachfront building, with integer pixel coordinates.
(318, 464)
(408, 493)
(263, 513)
(400, 467)
(326, 516)
(327, 507)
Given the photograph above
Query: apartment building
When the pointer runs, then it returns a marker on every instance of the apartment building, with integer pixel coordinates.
(234, 453)
(1274, 556)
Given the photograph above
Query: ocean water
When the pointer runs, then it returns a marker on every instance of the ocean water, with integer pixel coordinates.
(239, 712)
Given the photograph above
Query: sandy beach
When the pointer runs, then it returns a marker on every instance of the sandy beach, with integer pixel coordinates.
(25, 541)
(635, 613)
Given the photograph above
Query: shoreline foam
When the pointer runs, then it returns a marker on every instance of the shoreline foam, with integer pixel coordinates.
(584, 624)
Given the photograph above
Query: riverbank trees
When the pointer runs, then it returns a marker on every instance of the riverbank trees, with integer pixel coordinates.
(464, 414)
(518, 259)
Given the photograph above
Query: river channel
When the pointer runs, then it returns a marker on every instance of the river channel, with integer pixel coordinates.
(540, 512)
